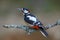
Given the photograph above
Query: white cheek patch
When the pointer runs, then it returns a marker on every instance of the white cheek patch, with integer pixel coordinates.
(32, 18)
(25, 11)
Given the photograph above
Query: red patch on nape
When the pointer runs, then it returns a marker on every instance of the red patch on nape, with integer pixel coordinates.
(36, 27)
(29, 10)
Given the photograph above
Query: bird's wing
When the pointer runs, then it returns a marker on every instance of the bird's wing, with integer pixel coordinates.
(26, 28)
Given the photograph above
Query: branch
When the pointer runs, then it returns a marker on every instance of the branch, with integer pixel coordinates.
(26, 28)
(52, 25)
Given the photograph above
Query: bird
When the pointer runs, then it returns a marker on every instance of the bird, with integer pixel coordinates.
(32, 19)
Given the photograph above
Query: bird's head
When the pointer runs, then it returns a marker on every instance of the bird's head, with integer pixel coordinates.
(24, 10)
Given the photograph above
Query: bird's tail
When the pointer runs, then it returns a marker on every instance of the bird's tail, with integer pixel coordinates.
(44, 33)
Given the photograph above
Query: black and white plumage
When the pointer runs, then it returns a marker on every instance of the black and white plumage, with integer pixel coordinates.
(31, 19)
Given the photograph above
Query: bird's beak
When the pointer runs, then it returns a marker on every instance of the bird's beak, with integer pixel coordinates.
(19, 9)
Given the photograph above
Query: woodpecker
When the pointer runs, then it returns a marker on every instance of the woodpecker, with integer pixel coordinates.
(31, 19)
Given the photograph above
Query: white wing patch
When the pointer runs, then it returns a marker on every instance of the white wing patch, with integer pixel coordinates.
(32, 18)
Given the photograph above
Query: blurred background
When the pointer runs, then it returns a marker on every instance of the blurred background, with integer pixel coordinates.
(47, 11)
